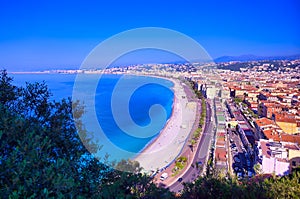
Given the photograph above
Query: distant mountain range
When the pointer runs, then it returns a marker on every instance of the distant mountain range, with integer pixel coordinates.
(244, 58)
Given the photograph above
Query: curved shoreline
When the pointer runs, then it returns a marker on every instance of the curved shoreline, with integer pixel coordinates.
(163, 149)
(152, 141)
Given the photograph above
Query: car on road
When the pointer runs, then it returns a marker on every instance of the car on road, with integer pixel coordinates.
(248, 163)
(235, 153)
(164, 176)
(179, 179)
(250, 174)
(236, 169)
(240, 175)
(236, 159)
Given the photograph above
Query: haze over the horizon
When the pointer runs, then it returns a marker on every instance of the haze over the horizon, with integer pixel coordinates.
(59, 34)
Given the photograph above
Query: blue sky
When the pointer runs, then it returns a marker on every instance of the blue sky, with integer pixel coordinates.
(60, 34)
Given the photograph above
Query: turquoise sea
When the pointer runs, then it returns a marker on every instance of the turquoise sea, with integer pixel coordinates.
(158, 91)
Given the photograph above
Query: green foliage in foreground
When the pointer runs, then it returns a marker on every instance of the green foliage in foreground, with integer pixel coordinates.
(257, 187)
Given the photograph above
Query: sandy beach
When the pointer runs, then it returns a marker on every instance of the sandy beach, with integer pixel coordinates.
(169, 143)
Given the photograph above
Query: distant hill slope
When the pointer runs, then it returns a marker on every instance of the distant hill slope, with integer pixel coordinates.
(244, 58)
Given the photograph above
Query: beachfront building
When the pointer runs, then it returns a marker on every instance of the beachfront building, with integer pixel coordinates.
(278, 157)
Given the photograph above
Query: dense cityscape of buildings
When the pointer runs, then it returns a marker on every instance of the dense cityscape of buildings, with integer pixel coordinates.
(261, 107)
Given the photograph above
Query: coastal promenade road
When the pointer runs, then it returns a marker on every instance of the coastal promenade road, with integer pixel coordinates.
(201, 155)
(186, 149)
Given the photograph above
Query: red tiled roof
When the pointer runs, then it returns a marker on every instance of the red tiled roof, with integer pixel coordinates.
(290, 138)
(281, 137)
(289, 118)
(264, 122)
(220, 154)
